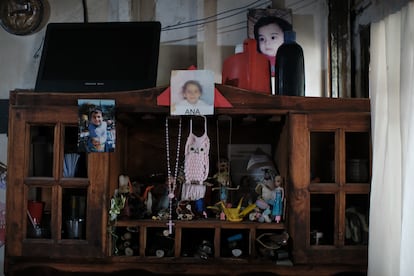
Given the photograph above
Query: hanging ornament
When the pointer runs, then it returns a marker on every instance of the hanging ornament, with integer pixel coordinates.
(197, 156)
(172, 178)
(196, 167)
(223, 165)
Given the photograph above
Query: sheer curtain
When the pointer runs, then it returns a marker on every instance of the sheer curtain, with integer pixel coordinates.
(391, 242)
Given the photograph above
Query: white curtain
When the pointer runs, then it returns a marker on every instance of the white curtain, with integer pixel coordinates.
(391, 242)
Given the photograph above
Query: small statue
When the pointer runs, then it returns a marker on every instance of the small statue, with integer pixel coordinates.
(270, 190)
(184, 210)
(279, 192)
(223, 178)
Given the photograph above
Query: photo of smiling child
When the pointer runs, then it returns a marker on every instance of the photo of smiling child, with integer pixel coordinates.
(96, 125)
(192, 92)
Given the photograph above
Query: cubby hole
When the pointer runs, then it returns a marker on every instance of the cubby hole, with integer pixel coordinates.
(197, 243)
(357, 157)
(322, 219)
(74, 213)
(39, 212)
(235, 243)
(322, 157)
(272, 245)
(356, 219)
(125, 241)
(74, 161)
(159, 243)
(41, 151)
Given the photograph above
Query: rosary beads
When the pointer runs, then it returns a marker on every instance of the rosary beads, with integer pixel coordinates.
(172, 179)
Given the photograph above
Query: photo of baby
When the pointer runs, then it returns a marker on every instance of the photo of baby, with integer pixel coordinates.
(267, 27)
(192, 92)
(96, 125)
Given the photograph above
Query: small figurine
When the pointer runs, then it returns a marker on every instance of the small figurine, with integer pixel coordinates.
(124, 184)
(279, 192)
(236, 214)
(262, 212)
(223, 178)
(184, 210)
(271, 191)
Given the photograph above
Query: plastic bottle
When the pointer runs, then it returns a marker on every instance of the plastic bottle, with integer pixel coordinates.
(290, 67)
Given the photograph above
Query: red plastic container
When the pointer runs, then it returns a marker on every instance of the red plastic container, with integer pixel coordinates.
(248, 70)
(36, 210)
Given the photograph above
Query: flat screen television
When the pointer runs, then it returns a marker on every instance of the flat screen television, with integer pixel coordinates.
(99, 57)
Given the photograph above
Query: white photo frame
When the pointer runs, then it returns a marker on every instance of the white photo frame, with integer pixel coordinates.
(192, 92)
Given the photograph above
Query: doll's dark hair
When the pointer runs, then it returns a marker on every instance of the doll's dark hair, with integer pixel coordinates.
(266, 20)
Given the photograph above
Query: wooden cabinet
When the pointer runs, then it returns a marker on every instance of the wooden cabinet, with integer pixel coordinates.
(330, 176)
(321, 147)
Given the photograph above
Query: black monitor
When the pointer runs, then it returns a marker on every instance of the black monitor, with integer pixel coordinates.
(99, 57)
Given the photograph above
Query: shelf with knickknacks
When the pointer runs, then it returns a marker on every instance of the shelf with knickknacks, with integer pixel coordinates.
(192, 199)
(187, 180)
(158, 231)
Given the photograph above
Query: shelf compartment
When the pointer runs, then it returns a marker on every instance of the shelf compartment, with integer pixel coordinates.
(356, 219)
(322, 157)
(322, 219)
(39, 212)
(197, 243)
(272, 245)
(74, 213)
(214, 232)
(126, 241)
(357, 146)
(41, 150)
(74, 161)
(235, 243)
(157, 243)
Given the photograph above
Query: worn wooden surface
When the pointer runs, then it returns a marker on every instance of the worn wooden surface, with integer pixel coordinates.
(282, 121)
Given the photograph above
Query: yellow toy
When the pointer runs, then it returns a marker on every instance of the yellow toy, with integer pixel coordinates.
(234, 214)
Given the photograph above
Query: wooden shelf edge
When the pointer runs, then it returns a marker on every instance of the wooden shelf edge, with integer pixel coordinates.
(205, 223)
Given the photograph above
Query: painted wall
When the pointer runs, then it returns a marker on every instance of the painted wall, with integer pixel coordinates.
(182, 38)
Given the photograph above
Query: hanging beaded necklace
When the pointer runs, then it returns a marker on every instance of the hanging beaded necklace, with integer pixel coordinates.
(172, 179)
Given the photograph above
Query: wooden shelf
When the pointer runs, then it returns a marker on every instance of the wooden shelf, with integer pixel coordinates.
(285, 123)
(217, 233)
(201, 223)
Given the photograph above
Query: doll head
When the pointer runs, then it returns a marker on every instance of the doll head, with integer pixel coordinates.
(269, 34)
(278, 181)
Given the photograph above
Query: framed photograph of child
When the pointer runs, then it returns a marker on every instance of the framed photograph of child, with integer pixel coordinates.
(192, 92)
(267, 27)
(97, 132)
